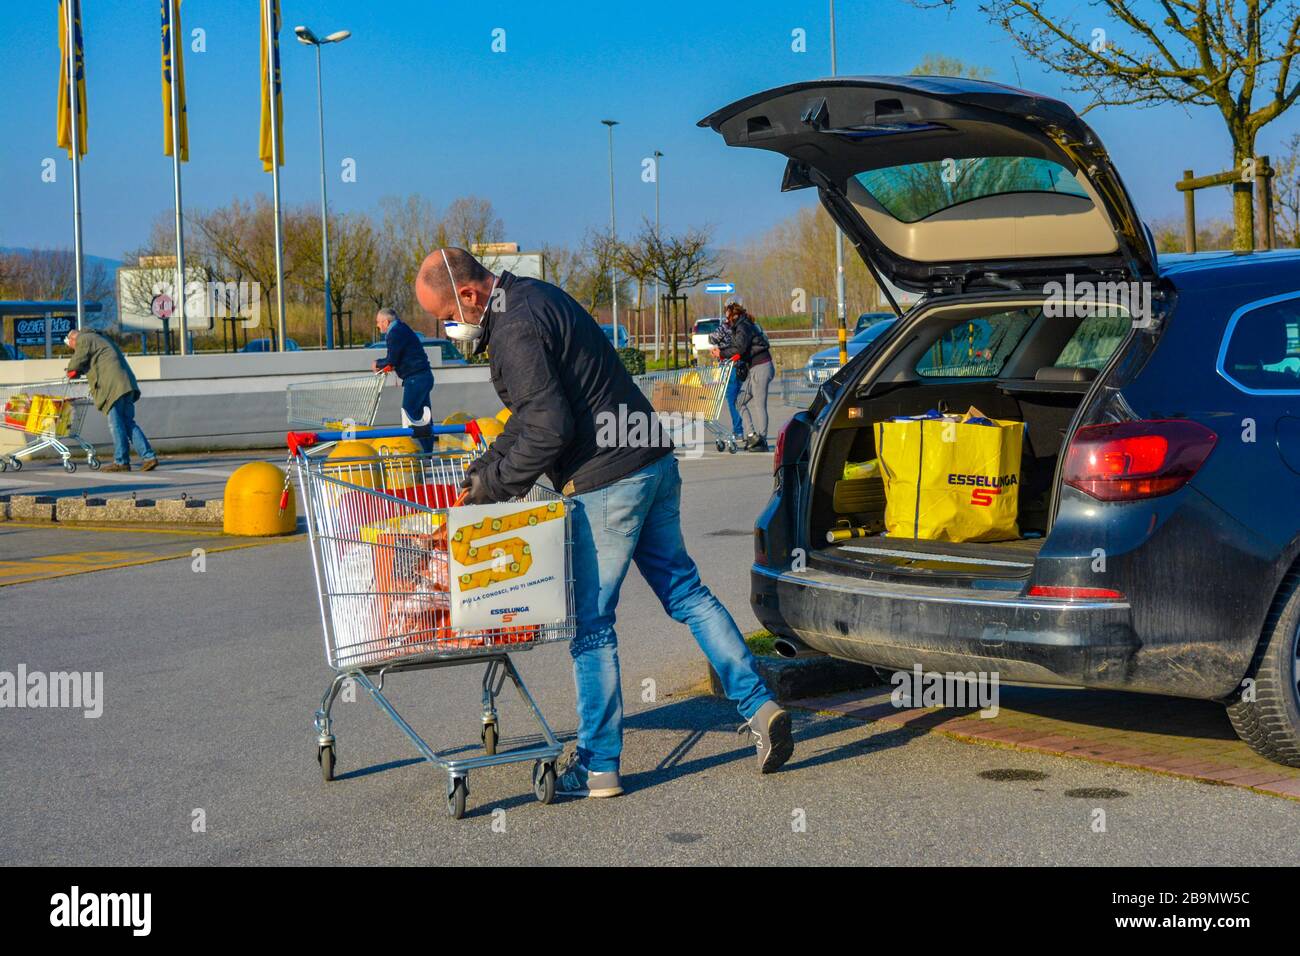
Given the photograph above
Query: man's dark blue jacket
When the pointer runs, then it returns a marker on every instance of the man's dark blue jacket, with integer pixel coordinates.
(405, 353)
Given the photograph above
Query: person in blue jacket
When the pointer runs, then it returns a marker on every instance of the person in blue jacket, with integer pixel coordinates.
(407, 358)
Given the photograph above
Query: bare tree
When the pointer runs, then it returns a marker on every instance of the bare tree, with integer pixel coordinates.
(937, 64)
(354, 257)
(679, 262)
(1286, 194)
(1232, 55)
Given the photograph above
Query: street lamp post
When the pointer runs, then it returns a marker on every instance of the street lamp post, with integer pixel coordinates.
(839, 244)
(658, 157)
(613, 230)
(305, 36)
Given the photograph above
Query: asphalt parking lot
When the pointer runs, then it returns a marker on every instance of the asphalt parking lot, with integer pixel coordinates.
(204, 752)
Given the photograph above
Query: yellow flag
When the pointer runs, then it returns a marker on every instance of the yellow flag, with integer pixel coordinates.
(271, 47)
(173, 49)
(64, 120)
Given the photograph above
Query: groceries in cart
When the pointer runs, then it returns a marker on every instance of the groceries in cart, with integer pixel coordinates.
(50, 415)
(950, 477)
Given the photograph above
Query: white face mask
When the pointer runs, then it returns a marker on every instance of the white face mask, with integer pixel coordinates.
(462, 331)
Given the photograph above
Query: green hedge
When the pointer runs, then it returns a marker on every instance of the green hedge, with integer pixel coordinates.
(633, 360)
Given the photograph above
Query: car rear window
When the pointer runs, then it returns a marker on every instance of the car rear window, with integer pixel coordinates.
(1263, 351)
(912, 192)
(1095, 341)
(976, 348)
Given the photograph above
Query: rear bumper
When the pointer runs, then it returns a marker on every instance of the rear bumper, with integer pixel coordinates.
(1031, 640)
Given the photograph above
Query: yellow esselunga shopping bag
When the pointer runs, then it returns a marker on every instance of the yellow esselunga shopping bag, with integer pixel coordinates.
(950, 480)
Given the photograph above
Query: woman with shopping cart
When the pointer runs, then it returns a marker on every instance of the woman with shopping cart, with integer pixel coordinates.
(561, 379)
(115, 391)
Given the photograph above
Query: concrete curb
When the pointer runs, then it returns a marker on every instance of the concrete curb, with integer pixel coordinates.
(806, 677)
(87, 510)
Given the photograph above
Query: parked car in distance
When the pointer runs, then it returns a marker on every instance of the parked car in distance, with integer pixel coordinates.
(1157, 549)
(868, 319)
(623, 339)
(268, 345)
(822, 365)
(451, 354)
(700, 333)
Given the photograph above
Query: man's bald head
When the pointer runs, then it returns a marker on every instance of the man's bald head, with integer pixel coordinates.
(452, 274)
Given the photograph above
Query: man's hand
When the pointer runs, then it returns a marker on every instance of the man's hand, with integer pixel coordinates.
(477, 490)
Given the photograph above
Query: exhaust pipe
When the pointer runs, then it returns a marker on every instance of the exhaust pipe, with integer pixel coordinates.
(792, 647)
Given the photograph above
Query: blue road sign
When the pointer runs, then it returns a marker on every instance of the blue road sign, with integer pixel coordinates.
(32, 331)
(720, 288)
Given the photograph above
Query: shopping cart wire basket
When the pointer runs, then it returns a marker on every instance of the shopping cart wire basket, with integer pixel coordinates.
(697, 393)
(386, 535)
(50, 415)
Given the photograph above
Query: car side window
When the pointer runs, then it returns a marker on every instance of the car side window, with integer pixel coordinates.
(976, 348)
(1094, 341)
(1263, 349)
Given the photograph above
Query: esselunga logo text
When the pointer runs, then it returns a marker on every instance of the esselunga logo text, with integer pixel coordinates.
(983, 487)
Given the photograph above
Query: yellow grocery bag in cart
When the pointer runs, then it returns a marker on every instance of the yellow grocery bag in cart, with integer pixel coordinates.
(951, 478)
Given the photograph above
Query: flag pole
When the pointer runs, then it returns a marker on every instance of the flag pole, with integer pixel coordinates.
(178, 300)
(272, 48)
(75, 113)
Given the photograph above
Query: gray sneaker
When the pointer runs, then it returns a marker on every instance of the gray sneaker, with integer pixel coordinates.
(577, 781)
(770, 731)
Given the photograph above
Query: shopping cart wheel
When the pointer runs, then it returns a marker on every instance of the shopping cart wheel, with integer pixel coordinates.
(489, 737)
(544, 781)
(456, 798)
(4, 464)
(16, 464)
(721, 445)
(69, 466)
(325, 757)
(93, 464)
(731, 445)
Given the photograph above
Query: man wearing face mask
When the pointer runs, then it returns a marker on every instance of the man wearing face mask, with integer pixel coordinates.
(565, 387)
(406, 357)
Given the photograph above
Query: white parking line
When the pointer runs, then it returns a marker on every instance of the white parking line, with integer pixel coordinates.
(19, 483)
(205, 472)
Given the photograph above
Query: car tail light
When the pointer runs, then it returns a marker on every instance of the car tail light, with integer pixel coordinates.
(1128, 461)
(1075, 594)
(780, 447)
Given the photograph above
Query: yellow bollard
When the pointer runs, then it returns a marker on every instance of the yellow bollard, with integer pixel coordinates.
(400, 471)
(252, 502)
(367, 473)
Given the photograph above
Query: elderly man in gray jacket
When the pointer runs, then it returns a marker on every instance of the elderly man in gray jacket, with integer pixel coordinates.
(115, 392)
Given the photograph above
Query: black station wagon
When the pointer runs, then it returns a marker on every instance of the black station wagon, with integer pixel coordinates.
(1159, 485)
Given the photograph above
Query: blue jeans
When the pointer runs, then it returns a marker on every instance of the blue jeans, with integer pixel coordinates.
(125, 432)
(733, 390)
(415, 399)
(639, 519)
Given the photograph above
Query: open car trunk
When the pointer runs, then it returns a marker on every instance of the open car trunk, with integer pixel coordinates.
(1004, 358)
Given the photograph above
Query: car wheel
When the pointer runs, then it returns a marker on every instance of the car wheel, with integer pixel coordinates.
(1267, 717)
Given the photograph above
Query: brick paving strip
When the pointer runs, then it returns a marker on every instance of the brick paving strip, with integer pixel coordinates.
(1181, 738)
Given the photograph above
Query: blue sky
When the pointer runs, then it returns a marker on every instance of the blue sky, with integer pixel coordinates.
(419, 100)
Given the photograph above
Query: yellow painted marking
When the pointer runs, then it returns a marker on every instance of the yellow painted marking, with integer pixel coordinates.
(61, 565)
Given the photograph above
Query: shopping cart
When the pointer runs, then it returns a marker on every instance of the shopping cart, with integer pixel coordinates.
(698, 392)
(50, 414)
(379, 530)
(799, 385)
(341, 402)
